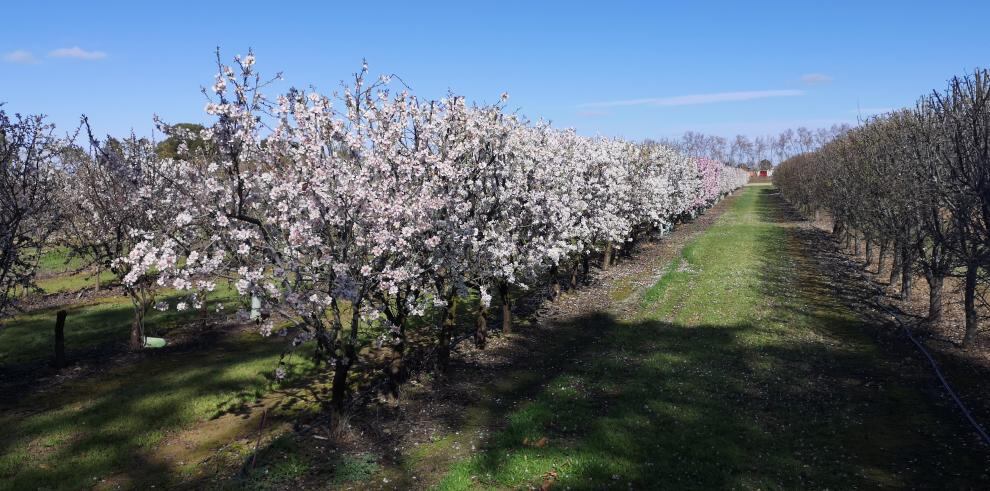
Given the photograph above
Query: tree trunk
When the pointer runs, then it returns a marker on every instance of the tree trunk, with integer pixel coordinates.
(481, 327)
(856, 244)
(503, 292)
(607, 257)
(837, 230)
(883, 253)
(586, 269)
(445, 324)
(554, 283)
(574, 276)
(907, 274)
(397, 372)
(340, 388)
(339, 384)
(60, 339)
(895, 269)
(869, 253)
(137, 329)
(970, 304)
(936, 282)
(141, 301)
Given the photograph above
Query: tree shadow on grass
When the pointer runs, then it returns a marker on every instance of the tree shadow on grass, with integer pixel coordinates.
(95, 333)
(771, 208)
(803, 398)
(108, 427)
(599, 402)
(659, 404)
(837, 282)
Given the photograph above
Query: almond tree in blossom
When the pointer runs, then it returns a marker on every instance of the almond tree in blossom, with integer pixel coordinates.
(364, 214)
(28, 198)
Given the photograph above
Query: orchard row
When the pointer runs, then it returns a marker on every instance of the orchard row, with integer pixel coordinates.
(363, 217)
(914, 183)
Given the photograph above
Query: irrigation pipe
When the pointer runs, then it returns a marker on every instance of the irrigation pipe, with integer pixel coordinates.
(938, 372)
(931, 360)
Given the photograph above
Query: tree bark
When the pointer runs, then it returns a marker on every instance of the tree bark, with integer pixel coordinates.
(882, 255)
(445, 324)
(869, 253)
(907, 273)
(60, 338)
(554, 283)
(895, 268)
(503, 292)
(936, 283)
(607, 257)
(837, 230)
(481, 327)
(339, 388)
(137, 329)
(972, 322)
(397, 372)
(586, 269)
(574, 276)
(141, 301)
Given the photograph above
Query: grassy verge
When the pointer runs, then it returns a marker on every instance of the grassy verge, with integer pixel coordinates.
(739, 371)
(29, 337)
(108, 429)
(73, 281)
(61, 272)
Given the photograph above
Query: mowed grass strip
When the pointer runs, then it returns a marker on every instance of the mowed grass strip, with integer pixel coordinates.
(739, 371)
(107, 428)
(30, 337)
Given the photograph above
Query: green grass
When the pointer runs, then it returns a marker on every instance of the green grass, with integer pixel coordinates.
(73, 281)
(29, 337)
(739, 371)
(61, 272)
(108, 427)
(57, 260)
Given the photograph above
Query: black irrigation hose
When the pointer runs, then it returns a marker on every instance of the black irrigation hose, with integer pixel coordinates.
(931, 360)
(938, 372)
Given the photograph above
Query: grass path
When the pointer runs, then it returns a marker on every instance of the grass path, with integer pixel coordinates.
(161, 421)
(740, 368)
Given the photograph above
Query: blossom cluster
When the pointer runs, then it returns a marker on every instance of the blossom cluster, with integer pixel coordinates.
(370, 206)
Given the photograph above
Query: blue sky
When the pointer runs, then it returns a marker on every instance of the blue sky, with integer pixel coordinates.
(631, 69)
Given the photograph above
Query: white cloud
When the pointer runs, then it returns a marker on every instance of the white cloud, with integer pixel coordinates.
(20, 56)
(77, 53)
(592, 114)
(816, 79)
(688, 100)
